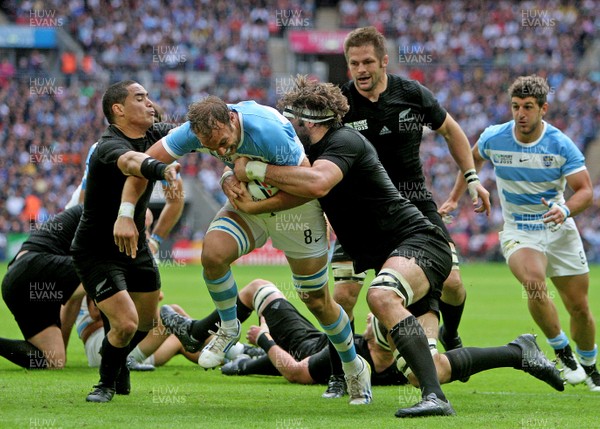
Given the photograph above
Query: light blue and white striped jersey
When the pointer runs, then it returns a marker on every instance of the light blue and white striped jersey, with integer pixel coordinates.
(526, 172)
(266, 135)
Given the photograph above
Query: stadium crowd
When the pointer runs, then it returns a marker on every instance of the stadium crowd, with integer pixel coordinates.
(464, 60)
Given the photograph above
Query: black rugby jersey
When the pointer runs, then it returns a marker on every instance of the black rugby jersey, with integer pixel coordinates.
(104, 186)
(394, 125)
(55, 235)
(368, 215)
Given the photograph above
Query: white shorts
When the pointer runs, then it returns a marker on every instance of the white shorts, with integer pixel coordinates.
(563, 248)
(300, 232)
(92, 347)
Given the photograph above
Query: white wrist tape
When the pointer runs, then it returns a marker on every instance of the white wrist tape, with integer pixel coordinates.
(472, 182)
(126, 210)
(225, 175)
(256, 170)
(562, 207)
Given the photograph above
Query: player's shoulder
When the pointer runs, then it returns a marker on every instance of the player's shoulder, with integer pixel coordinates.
(400, 88)
(160, 130)
(556, 134)
(400, 82)
(109, 138)
(349, 136)
(251, 107)
(561, 143)
(496, 130)
(347, 87)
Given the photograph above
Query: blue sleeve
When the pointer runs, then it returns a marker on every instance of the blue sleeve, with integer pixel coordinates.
(574, 159)
(280, 145)
(87, 165)
(268, 135)
(482, 144)
(181, 141)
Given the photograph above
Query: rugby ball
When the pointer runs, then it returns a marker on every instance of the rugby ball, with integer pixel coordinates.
(261, 190)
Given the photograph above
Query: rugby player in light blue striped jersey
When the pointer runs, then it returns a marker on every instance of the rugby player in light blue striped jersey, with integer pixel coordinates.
(534, 162)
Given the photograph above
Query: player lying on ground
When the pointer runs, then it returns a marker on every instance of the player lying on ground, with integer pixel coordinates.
(156, 349)
(297, 350)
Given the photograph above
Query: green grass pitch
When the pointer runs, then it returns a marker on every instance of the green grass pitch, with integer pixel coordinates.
(182, 395)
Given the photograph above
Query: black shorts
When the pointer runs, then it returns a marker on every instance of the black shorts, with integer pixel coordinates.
(430, 210)
(431, 252)
(339, 254)
(292, 331)
(102, 278)
(34, 288)
(430, 302)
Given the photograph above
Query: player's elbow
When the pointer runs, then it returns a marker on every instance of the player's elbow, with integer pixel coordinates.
(316, 190)
(588, 198)
(299, 376)
(130, 162)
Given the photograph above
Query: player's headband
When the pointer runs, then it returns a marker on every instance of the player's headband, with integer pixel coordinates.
(308, 115)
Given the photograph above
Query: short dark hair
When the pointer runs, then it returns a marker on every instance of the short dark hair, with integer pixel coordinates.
(530, 86)
(366, 36)
(208, 114)
(115, 94)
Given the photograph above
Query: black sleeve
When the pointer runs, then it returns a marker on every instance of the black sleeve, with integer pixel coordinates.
(109, 151)
(319, 366)
(433, 113)
(346, 146)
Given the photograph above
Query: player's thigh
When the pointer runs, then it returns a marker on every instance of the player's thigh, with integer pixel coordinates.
(424, 261)
(120, 311)
(300, 232)
(232, 234)
(146, 306)
(528, 265)
(565, 252)
(524, 254)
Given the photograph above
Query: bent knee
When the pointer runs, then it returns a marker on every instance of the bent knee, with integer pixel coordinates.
(580, 310)
(380, 299)
(454, 282)
(212, 258)
(124, 331)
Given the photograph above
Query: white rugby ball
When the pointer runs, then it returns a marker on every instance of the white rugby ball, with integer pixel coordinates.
(261, 190)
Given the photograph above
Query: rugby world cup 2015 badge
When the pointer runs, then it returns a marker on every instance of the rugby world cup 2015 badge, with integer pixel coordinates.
(548, 160)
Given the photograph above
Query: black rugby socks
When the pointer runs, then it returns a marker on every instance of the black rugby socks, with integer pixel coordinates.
(412, 345)
(23, 353)
(471, 360)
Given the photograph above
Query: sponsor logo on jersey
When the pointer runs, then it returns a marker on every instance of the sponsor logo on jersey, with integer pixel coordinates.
(359, 125)
(384, 130)
(502, 159)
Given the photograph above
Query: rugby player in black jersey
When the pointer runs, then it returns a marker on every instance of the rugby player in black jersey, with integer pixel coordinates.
(38, 281)
(391, 111)
(376, 225)
(124, 285)
(296, 349)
